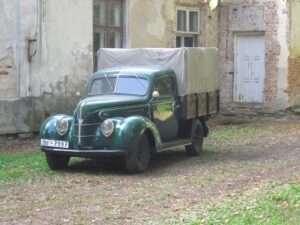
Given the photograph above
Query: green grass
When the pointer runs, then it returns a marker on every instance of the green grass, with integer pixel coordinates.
(17, 166)
(234, 132)
(279, 207)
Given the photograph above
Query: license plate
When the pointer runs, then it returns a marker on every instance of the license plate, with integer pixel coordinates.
(54, 143)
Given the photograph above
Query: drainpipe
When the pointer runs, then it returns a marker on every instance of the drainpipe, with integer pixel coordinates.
(18, 45)
(18, 59)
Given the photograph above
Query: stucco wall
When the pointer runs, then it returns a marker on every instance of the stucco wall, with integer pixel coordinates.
(45, 57)
(153, 23)
(46, 51)
(294, 57)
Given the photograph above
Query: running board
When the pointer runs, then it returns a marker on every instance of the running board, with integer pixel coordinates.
(173, 144)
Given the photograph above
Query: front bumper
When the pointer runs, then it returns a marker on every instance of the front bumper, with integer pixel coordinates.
(85, 153)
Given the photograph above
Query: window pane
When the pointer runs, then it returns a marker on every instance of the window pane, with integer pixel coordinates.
(178, 42)
(114, 39)
(103, 86)
(164, 86)
(132, 86)
(181, 20)
(188, 41)
(99, 12)
(99, 40)
(114, 14)
(194, 21)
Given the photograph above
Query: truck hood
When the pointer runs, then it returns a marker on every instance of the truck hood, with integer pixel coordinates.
(102, 102)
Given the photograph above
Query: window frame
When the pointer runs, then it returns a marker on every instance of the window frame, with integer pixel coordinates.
(188, 10)
(182, 41)
(165, 96)
(106, 28)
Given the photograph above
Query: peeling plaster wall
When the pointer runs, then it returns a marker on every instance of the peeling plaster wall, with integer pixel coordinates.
(8, 77)
(46, 51)
(43, 66)
(67, 33)
(153, 23)
(282, 36)
(294, 57)
(150, 23)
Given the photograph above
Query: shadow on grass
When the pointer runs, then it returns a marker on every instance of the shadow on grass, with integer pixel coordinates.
(176, 162)
(160, 162)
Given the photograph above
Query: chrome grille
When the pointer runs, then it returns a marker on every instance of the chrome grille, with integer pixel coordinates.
(84, 132)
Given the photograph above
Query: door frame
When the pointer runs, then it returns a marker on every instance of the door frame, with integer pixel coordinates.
(251, 34)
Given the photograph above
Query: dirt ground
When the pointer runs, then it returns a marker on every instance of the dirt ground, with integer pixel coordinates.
(174, 188)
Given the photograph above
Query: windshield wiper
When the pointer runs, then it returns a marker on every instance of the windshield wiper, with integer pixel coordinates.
(111, 88)
(140, 81)
(117, 82)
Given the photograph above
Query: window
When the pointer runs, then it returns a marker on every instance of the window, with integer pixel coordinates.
(187, 27)
(164, 86)
(108, 28)
(127, 85)
(184, 41)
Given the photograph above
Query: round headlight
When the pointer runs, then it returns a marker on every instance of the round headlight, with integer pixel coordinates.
(107, 128)
(62, 126)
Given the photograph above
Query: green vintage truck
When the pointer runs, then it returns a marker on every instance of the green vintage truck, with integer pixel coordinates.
(141, 101)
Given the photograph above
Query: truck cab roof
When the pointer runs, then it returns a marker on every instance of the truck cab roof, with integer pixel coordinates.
(149, 72)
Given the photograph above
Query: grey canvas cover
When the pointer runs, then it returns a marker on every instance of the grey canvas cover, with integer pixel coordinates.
(196, 68)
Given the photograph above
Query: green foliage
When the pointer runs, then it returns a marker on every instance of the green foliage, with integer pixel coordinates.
(233, 132)
(281, 207)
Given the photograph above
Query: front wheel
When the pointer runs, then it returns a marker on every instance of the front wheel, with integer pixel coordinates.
(138, 159)
(57, 162)
(197, 139)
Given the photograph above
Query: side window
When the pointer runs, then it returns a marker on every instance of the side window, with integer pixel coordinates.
(164, 86)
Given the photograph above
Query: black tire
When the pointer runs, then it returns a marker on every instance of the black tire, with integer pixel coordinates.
(138, 159)
(57, 162)
(197, 140)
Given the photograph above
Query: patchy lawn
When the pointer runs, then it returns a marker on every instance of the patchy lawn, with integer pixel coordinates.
(248, 173)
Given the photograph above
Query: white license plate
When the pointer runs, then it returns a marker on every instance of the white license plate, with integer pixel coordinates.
(54, 143)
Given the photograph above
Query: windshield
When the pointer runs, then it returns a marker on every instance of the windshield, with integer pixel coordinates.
(131, 85)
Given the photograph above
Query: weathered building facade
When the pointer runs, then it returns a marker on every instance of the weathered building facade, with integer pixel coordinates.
(259, 60)
(48, 48)
(45, 56)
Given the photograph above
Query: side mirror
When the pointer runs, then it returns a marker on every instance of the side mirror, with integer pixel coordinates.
(78, 95)
(155, 94)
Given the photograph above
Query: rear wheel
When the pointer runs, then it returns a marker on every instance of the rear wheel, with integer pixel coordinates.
(197, 140)
(137, 161)
(57, 162)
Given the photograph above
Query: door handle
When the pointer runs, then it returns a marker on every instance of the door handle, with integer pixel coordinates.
(175, 106)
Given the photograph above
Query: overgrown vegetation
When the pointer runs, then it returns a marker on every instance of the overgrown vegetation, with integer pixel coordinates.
(279, 207)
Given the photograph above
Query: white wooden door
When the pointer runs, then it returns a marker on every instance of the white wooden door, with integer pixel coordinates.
(249, 71)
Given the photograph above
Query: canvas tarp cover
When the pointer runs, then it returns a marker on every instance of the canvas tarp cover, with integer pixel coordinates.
(196, 68)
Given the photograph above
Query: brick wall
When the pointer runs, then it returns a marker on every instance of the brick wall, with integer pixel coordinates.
(248, 17)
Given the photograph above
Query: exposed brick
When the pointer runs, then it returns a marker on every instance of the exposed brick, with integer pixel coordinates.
(249, 16)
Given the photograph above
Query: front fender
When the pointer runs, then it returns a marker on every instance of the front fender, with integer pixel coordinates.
(133, 127)
(48, 128)
(127, 133)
